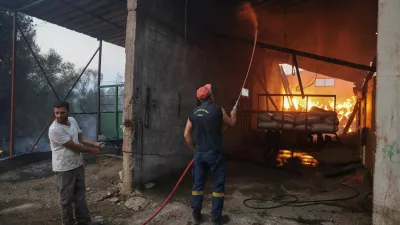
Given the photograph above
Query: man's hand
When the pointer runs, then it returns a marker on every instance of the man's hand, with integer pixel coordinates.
(230, 121)
(81, 148)
(99, 144)
(234, 113)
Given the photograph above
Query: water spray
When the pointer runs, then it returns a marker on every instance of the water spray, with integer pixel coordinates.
(247, 13)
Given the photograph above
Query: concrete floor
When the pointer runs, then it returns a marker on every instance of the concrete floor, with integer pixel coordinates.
(31, 198)
(247, 180)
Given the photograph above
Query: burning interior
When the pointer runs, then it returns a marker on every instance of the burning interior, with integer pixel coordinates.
(301, 70)
(310, 78)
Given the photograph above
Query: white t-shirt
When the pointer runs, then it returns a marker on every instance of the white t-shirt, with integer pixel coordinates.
(63, 158)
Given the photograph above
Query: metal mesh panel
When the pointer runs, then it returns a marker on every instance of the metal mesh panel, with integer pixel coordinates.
(41, 78)
(111, 98)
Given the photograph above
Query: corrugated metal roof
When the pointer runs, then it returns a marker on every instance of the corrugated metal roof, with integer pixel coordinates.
(101, 19)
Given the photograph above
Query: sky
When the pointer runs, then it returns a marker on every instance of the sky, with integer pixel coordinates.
(78, 48)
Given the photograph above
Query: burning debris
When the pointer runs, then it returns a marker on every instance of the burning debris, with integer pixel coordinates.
(316, 120)
(343, 109)
(313, 114)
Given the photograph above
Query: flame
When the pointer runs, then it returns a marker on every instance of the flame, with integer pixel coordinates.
(343, 109)
(305, 159)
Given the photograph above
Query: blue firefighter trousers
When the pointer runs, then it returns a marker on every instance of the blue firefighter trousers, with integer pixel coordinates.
(215, 162)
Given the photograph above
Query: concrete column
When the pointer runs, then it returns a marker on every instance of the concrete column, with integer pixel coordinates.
(128, 123)
(386, 203)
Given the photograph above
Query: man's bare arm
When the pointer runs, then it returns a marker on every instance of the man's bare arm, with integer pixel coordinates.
(86, 141)
(188, 134)
(81, 148)
(230, 121)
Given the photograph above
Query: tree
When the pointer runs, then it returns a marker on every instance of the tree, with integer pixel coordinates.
(33, 96)
(24, 66)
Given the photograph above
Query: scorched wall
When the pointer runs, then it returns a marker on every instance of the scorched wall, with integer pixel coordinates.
(167, 75)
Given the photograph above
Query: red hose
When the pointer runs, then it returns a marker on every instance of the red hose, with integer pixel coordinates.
(170, 195)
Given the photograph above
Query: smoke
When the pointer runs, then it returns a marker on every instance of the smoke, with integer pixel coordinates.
(246, 12)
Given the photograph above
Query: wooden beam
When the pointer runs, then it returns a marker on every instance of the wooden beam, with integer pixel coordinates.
(128, 124)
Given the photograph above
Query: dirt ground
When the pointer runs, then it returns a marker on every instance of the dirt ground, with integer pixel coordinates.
(29, 196)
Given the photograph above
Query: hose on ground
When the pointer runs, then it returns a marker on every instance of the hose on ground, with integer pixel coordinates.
(170, 195)
(293, 201)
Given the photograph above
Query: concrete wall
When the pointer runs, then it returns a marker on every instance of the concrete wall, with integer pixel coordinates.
(386, 194)
(163, 68)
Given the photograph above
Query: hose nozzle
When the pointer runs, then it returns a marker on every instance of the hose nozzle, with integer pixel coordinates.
(236, 105)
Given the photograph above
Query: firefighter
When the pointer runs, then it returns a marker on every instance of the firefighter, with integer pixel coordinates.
(208, 121)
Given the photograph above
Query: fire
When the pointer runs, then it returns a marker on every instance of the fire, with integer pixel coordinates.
(343, 109)
(304, 158)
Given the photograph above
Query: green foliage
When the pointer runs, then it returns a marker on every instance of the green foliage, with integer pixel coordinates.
(33, 96)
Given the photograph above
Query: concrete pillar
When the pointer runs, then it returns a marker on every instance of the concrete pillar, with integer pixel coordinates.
(386, 201)
(128, 124)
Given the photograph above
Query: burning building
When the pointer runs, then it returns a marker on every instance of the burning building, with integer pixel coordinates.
(173, 47)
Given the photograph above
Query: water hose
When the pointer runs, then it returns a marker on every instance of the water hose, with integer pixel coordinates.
(191, 163)
(248, 69)
(170, 195)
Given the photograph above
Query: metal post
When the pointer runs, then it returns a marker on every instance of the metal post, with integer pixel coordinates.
(334, 108)
(98, 90)
(306, 127)
(14, 59)
(298, 75)
(283, 108)
(116, 111)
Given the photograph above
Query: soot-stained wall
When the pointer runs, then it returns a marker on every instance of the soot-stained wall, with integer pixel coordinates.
(168, 71)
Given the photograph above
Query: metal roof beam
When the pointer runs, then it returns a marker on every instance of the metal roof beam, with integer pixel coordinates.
(300, 53)
(89, 13)
(94, 23)
(73, 17)
(21, 8)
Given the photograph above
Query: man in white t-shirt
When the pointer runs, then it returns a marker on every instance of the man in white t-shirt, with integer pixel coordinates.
(65, 141)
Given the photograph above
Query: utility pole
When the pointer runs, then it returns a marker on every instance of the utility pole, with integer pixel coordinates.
(128, 117)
